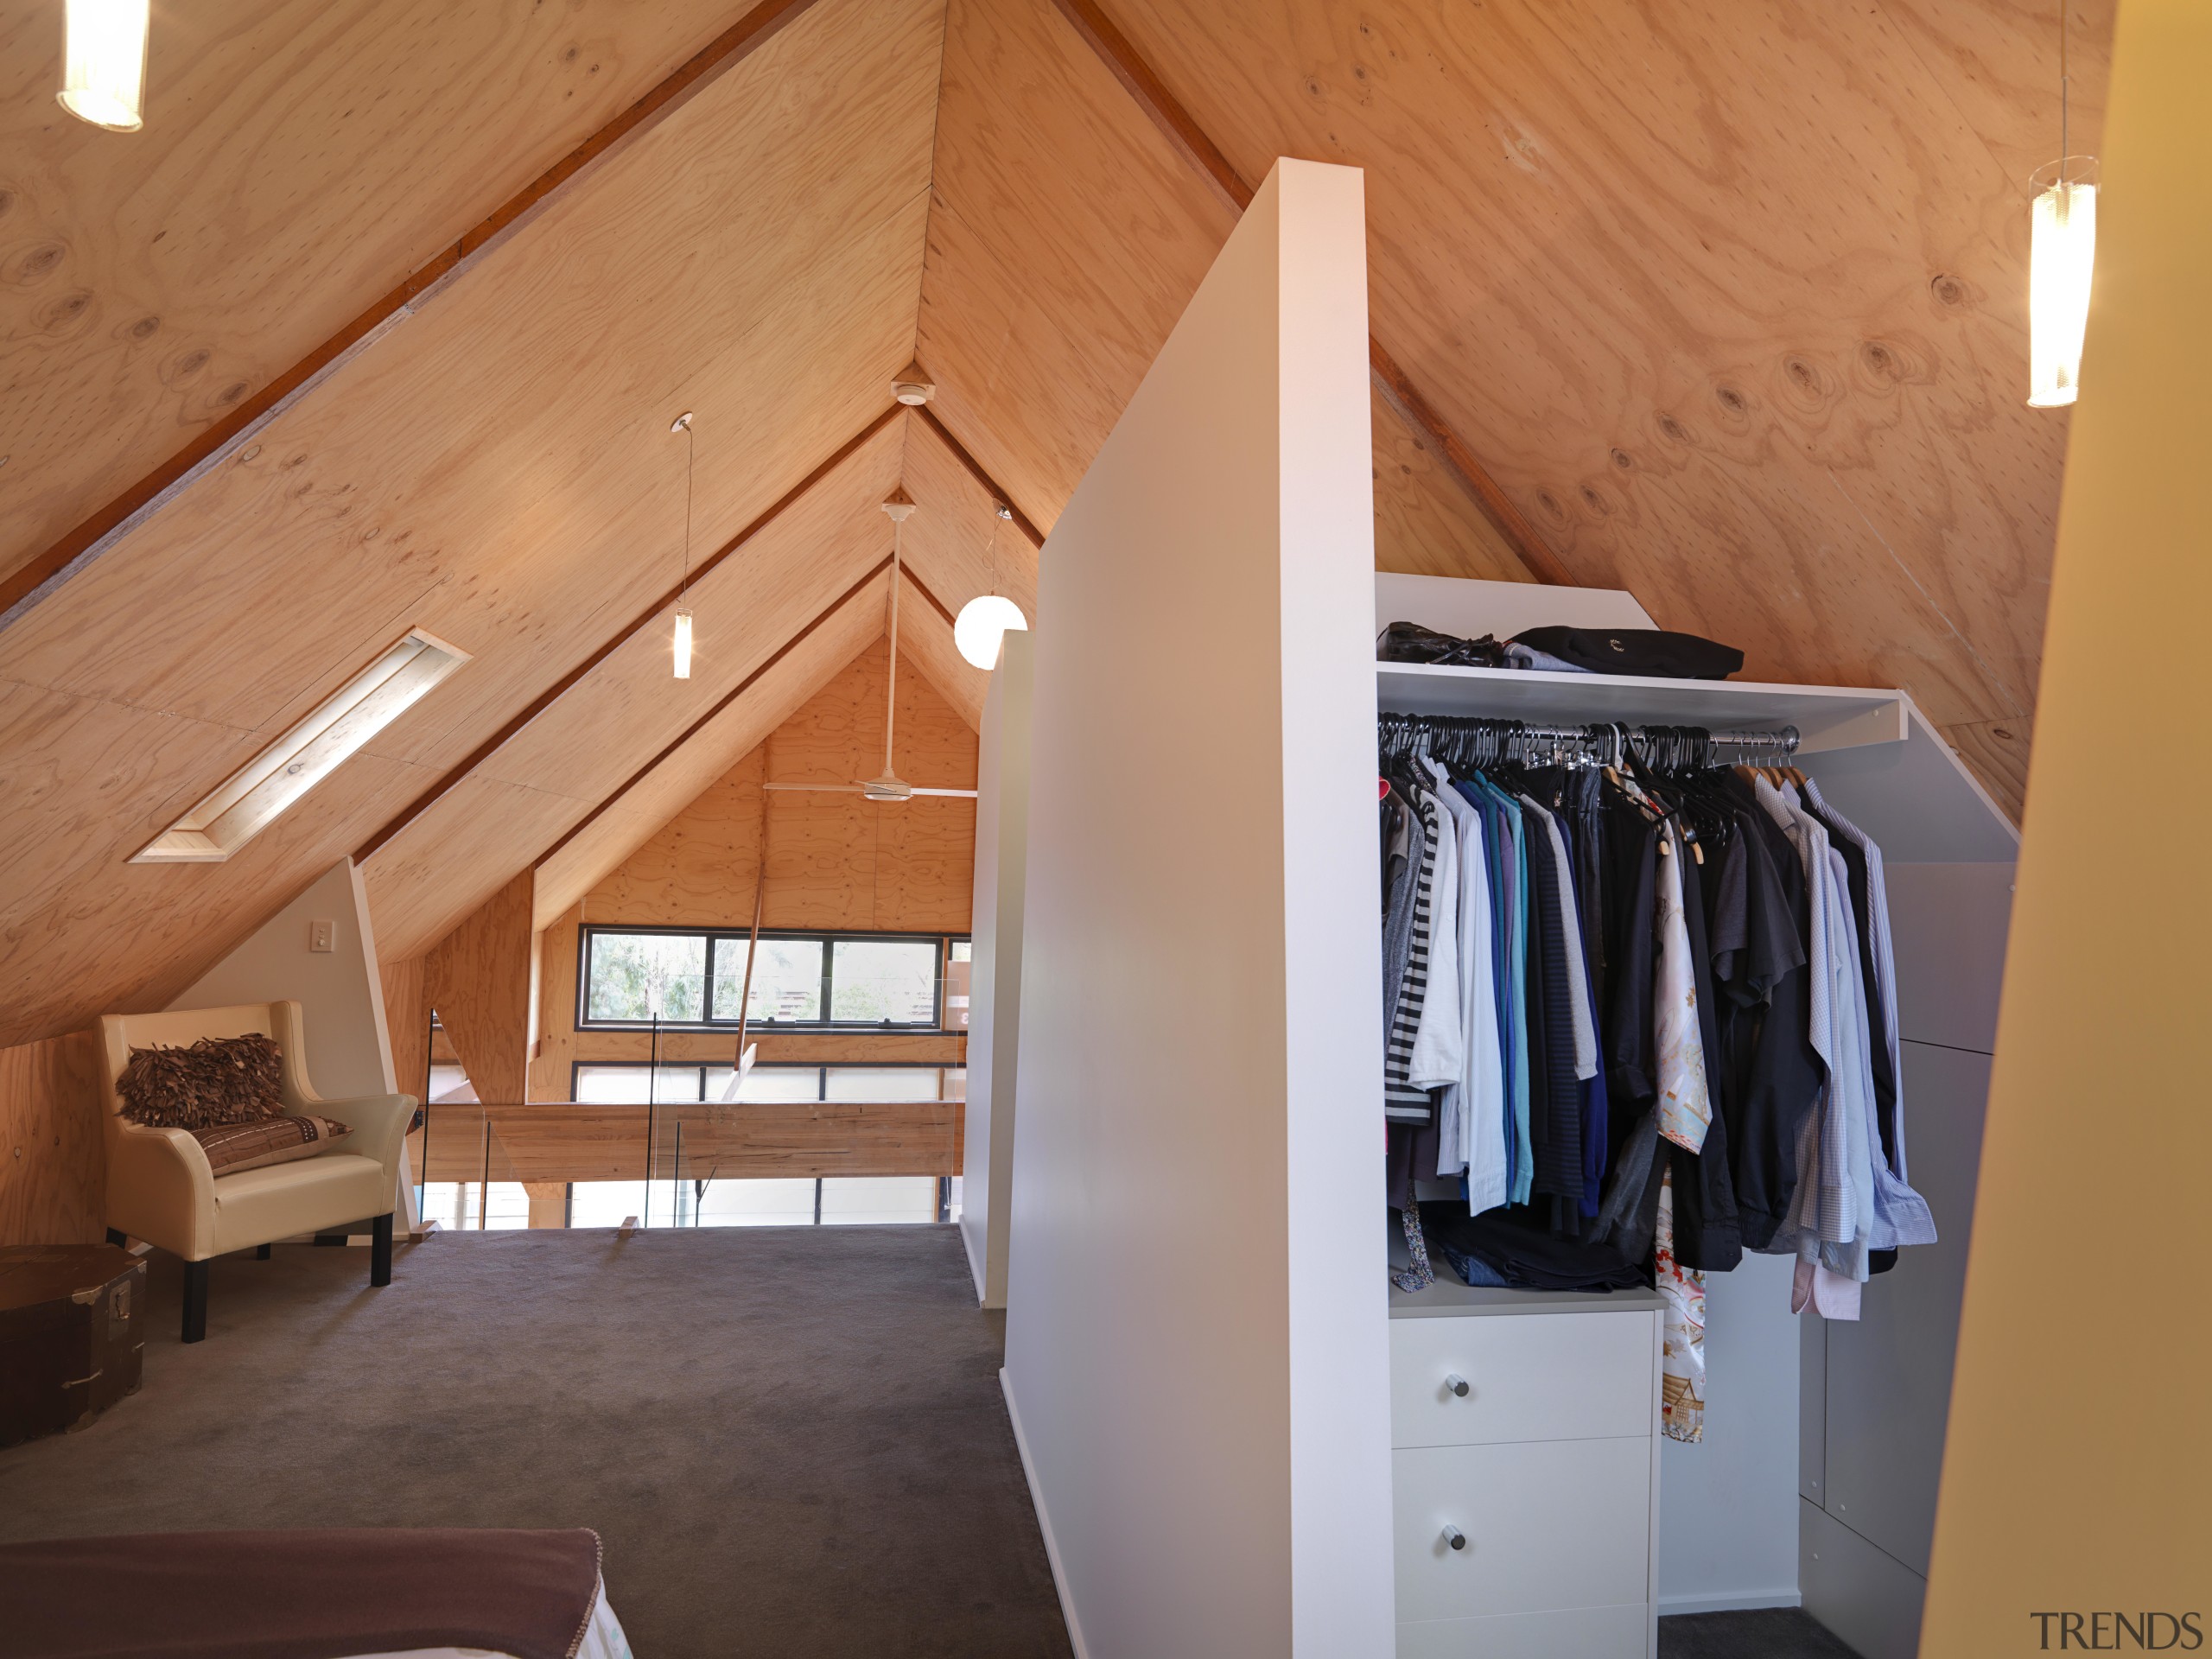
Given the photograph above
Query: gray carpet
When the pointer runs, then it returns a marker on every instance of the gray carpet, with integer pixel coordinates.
(791, 1439)
(1781, 1634)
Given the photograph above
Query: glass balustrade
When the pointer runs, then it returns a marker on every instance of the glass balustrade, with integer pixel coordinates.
(659, 1147)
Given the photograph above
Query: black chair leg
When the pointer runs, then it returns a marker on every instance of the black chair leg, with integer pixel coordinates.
(380, 1251)
(261, 1254)
(195, 1301)
(117, 1236)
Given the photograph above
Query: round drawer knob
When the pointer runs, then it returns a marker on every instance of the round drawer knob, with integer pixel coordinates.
(1454, 1537)
(1457, 1384)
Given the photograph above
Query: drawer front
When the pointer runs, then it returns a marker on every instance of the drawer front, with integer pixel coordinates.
(1531, 1376)
(1581, 1632)
(1549, 1525)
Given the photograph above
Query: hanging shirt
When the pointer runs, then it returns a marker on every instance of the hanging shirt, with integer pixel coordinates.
(1555, 1093)
(1681, 1356)
(1401, 1099)
(1570, 945)
(1440, 1042)
(1685, 1109)
(1512, 892)
(1778, 1076)
(1473, 1109)
(1870, 906)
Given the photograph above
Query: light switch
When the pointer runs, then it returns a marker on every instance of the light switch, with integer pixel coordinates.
(322, 936)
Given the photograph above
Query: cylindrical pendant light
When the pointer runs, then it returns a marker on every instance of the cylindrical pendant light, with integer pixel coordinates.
(680, 655)
(2061, 255)
(981, 626)
(103, 61)
(2061, 252)
(683, 642)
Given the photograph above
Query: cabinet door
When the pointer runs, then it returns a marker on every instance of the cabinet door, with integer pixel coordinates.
(1889, 1372)
(1534, 1377)
(1545, 1525)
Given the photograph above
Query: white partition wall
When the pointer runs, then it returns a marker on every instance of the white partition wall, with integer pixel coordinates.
(1196, 1335)
(995, 972)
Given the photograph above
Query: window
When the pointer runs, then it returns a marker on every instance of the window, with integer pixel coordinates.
(252, 797)
(639, 976)
(623, 1082)
(884, 982)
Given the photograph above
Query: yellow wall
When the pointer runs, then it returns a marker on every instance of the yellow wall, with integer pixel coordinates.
(2080, 1431)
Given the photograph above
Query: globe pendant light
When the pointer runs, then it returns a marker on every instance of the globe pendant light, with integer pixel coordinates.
(2062, 253)
(983, 621)
(103, 61)
(681, 652)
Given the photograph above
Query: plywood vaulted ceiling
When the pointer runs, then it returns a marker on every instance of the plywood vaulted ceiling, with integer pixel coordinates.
(382, 318)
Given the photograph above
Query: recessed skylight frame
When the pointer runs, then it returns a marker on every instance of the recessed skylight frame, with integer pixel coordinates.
(261, 790)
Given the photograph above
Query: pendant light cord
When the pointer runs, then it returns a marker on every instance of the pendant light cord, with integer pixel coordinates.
(890, 702)
(690, 450)
(2065, 89)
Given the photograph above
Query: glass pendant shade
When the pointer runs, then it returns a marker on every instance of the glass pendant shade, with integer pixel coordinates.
(2060, 255)
(682, 642)
(983, 625)
(103, 61)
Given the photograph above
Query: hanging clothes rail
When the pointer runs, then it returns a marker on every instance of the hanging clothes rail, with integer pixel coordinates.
(1477, 741)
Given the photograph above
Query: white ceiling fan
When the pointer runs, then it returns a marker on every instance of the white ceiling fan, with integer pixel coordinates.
(890, 786)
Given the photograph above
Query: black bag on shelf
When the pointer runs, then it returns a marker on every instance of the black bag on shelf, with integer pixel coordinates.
(1409, 642)
(1650, 652)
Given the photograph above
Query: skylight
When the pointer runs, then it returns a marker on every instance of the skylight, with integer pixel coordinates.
(255, 795)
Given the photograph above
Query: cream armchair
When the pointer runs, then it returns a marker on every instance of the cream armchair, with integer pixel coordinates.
(160, 1189)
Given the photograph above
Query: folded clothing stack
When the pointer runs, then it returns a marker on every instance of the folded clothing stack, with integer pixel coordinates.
(1512, 1248)
(1650, 652)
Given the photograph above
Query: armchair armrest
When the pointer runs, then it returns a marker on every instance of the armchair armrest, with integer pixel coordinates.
(379, 1128)
(160, 1189)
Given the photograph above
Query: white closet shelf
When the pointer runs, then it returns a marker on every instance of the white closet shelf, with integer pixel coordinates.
(1448, 1299)
(1826, 716)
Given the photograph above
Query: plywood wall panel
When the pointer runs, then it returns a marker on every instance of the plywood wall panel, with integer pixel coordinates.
(479, 979)
(833, 860)
(407, 1022)
(1779, 408)
(579, 865)
(1426, 523)
(497, 466)
(297, 160)
(87, 782)
(52, 1159)
(1065, 238)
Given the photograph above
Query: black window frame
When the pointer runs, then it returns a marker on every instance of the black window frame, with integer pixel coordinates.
(821, 1068)
(828, 938)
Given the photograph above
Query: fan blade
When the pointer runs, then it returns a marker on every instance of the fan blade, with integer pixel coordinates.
(833, 789)
(966, 794)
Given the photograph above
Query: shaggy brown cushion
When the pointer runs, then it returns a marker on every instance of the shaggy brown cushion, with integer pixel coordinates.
(217, 1080)
(233, 1146)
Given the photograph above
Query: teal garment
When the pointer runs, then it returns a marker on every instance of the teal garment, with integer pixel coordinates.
(1524, 1151)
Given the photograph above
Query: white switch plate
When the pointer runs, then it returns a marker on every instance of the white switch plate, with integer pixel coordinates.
(322, 936)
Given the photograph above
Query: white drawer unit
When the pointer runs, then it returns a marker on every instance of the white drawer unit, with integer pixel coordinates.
(1552, 1376)
(1522, 1529)
(1525, 1472)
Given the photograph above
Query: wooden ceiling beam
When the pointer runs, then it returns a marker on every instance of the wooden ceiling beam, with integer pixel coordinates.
(21, 590)
(643, 619)
(1021, 520)
(1206, 158)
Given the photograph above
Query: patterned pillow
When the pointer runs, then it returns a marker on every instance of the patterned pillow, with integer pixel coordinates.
(233, 1146)
(217, 1080)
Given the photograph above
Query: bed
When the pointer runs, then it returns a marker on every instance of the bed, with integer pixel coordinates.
(381, 1593)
